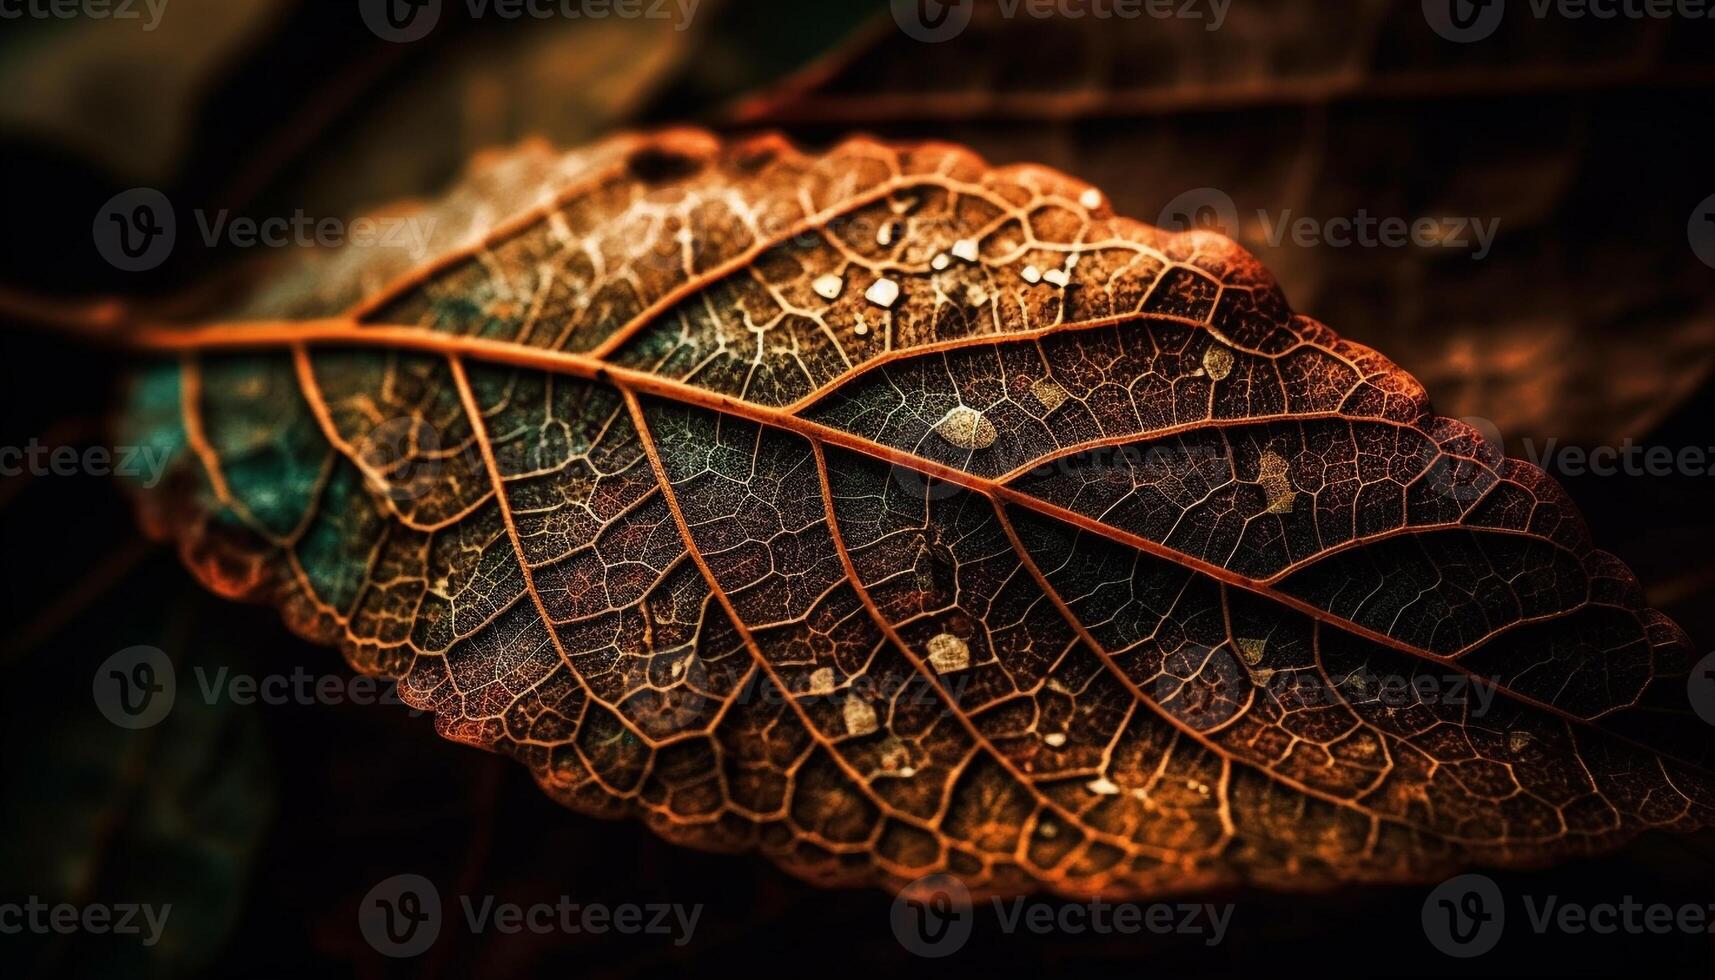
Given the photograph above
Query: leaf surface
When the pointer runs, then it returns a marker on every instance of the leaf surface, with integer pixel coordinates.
(890, 513)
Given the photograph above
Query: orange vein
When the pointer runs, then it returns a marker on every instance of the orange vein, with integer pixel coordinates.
(467, 397)
(923, 670)
(672, 500)
(190, 408)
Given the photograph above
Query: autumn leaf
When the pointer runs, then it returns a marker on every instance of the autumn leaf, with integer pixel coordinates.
(889, 513)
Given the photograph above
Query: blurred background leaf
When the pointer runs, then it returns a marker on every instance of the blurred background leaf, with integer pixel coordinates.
(169, 816)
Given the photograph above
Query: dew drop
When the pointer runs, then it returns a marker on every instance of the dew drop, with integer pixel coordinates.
(822, 681)
(1091, 199)
(1057, 277)
(1218, 361)
(1102, 786)
(965, 249)
(1048, 394)
(940, 261)
(883, 293)
(1271, 473)
(1251, 650)
(1032, 274)
(895, 757)
(829, 286)
(966, 428)
(1054, 739)
(948, 653)
(859, 716)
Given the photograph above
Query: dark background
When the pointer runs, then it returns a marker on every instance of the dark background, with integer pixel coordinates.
(1591, 322)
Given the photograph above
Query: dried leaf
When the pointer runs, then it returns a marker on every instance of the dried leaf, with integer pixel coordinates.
(1106, 578)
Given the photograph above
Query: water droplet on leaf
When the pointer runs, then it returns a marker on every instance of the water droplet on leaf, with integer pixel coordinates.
(967, 428)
